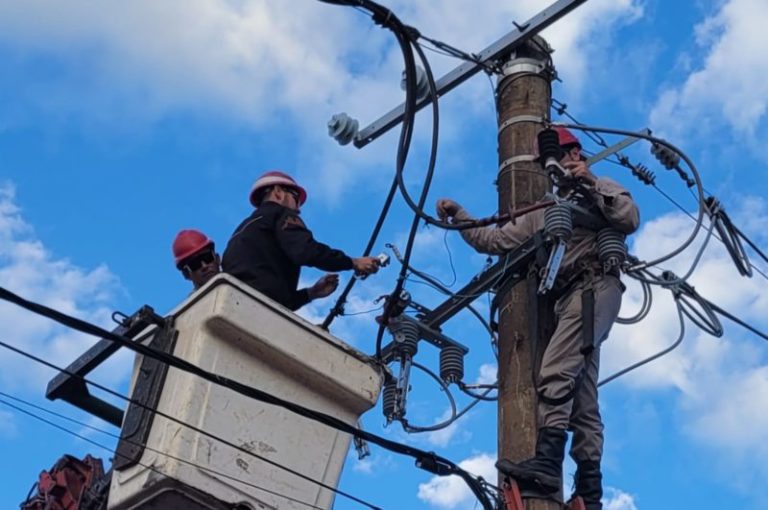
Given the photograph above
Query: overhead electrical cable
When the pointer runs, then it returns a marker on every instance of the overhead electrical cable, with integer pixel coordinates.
(194, 428)
(118, 454)
(426, 460)
(656, 356)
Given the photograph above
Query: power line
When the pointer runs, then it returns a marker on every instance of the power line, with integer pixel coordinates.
(622, 161)
(426, 460)
(113, 451)
(183, 423)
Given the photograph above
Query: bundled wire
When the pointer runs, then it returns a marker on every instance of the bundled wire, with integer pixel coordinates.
(645, 307)
(689, 304)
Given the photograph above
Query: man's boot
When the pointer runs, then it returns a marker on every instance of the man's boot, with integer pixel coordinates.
(589, 484)
(542, 473)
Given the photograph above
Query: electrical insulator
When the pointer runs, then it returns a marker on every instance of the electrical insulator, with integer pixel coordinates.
(343, 128)
(406, 336)
(549, 146)
(558, 221)
(389, 399)
(611, 247)
(666, 156)
(451, 364)
(422, 84)
(643, 174)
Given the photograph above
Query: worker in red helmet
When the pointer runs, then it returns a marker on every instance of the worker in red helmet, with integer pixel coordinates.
(268, 249)
(195, 256)
(585, 291)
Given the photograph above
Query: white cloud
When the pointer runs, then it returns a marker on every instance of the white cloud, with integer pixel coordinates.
(617, 500)
(488, 374)
(446, 436)
(729, 84)
(720, 383)
(268, 63)
(30, 270)
(451, 492)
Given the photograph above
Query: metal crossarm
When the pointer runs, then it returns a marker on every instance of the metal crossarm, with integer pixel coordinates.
(462, 73)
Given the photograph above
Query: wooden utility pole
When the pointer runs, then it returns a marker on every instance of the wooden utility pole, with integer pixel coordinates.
(523, 100)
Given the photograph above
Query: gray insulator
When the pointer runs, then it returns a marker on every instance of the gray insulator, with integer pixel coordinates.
(406, 338)
(451, 364)
(389, 399)
(558, 221)
(611, 247)
(343, 128)
(666, 156)
(422, 84)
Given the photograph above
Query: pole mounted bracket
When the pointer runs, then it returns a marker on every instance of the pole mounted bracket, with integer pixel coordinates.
(70, 386)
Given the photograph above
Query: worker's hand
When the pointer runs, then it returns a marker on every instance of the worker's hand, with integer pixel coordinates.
(365, 265)
(579, 170)
(447, 208)
(324, 286)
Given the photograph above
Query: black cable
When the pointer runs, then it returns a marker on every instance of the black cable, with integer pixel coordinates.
(655, 356)
(729, 237)
(115, 452)
(365, 312)
(702, 206)
(338, 307)
(464, 388)
(182, 423)
(751, 244)
(682, 209)
(447, 292)
(414, 428)
(645, 308)
(647, 179)
(407, 49)
(407, 40)
(738, 321)
(427, 460)
(436, 284)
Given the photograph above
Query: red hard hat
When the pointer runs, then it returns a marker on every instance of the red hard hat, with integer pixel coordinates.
(189, 242)
(276, 177)
(566, 137)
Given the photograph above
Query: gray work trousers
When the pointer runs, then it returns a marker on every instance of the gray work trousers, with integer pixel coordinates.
(563, 365)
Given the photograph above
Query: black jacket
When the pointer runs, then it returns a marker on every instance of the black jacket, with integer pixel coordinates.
(268, 249)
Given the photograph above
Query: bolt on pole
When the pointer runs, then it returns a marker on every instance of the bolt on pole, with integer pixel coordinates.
(523, 99)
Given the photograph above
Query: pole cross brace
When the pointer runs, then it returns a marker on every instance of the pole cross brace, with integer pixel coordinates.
(511, 267)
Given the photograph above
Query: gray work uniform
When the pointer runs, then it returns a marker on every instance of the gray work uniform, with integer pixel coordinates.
(563, 364)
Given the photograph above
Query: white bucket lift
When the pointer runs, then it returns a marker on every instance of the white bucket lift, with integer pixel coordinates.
(230, 329)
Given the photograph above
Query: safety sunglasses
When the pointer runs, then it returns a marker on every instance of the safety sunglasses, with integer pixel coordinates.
(198, 261)
(294, 193)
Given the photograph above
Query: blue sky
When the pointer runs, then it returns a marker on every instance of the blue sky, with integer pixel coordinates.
(123, 122)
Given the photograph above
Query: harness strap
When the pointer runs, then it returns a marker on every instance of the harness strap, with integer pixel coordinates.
(588, 318)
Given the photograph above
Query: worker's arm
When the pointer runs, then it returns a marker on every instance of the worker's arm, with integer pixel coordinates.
(299, 245)
(617, 205)
(611, 198)
(491, 240)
